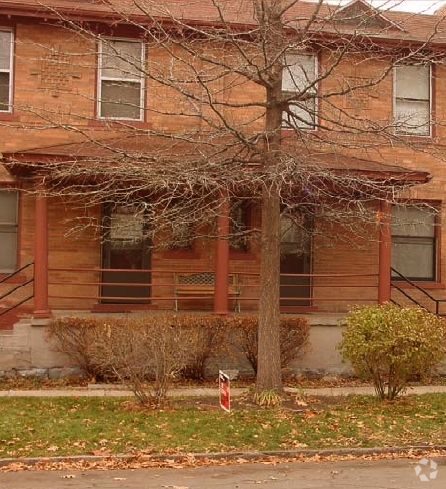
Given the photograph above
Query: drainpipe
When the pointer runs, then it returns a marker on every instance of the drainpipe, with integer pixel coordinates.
(385, 241)
(41, 309)
(222, 258)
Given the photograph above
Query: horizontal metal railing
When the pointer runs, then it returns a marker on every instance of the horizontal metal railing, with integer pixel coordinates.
(84, 288)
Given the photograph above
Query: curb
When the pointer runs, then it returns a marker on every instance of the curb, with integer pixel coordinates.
(229, 456)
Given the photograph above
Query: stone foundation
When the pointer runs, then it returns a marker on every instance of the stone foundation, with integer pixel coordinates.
(25, 350)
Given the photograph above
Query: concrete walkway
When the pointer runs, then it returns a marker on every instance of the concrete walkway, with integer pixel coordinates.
(103, 390)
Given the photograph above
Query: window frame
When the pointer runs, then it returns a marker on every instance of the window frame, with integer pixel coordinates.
(182, 237)
(287, 123)
(412, 239)
(239, 228)
(401, 130)
(9, 71)
(101, 78)
(11, 228)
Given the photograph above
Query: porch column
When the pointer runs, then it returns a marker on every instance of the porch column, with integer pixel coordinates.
(385, 238)
(41, 309)
(222, 258)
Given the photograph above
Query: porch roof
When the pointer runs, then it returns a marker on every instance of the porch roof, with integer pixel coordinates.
(157, 149)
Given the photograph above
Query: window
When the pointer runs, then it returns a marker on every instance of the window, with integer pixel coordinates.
(6, 45)
(181, 236)
(238, 225)
(8, 230)
(414, 242)
(121, 81)
(299, 74)
(412, 88)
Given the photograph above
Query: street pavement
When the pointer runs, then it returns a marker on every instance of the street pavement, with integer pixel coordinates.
(354, 474)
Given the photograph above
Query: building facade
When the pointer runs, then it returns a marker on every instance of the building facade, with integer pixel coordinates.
(88, 84)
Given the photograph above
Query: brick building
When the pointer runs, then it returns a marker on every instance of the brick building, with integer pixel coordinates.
(73, 92)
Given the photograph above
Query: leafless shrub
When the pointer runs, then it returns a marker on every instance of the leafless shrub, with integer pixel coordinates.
(144, 352)
(294, 333)
(206, 335)
(80, 338)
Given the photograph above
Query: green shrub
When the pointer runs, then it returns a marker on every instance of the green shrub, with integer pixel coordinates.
(294, 331)
(389, 345)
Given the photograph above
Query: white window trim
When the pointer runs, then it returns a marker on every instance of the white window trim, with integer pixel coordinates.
(139, 80)
(9, 70)
(401, 132)
(312, 126)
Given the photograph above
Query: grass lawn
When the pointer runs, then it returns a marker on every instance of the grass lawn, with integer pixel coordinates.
(71, 426)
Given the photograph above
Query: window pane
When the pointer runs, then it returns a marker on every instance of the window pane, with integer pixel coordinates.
(181, 236)
(413, 242)
(414, 259)
(298, 73)
(304, 117)
(238, 225)
(8, 229)
(121, 59)
(413, 116)
(4, 91)
(121, 99)
(8, 207)
(8, 247)
(412, 82)
(413, 221)
(5, 50)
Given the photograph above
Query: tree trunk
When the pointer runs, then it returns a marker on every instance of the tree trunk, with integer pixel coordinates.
(269, 376)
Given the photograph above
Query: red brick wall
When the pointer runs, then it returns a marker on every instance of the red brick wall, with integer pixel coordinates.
(55, 80)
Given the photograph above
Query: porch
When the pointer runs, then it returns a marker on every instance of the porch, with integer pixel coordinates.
(84, 289)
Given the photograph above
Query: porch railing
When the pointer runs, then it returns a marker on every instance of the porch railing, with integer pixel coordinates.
(84, 288)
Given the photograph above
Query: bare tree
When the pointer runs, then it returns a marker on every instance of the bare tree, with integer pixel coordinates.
(240, 109)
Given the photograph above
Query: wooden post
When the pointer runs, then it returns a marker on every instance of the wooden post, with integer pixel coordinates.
(221, 297)
(41, 309)
(385, 244)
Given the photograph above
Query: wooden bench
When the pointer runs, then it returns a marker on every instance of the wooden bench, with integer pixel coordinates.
(202, 284)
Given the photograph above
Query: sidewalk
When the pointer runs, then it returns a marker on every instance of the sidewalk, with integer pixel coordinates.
(103, 390)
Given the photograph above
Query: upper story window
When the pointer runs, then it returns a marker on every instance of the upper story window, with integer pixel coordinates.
(412, 99)
(298, 83)
(414, 242)
(121, 80)
(6, 45)
(8, 230)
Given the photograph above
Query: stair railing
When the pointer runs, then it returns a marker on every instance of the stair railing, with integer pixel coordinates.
(424, 292)
(16, 287)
